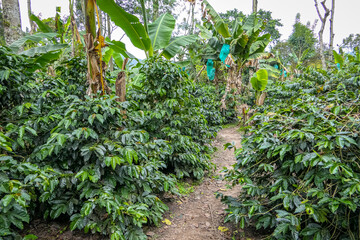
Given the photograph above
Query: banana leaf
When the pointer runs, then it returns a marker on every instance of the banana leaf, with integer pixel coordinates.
(220, 25)
(160, 31)
(43, 49)
(42, 26)
(35, 38)
(176, 44)
(127, 22)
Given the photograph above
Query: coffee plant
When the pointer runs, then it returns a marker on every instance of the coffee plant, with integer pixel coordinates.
(299, 161)
(172, 113)
(100, 164)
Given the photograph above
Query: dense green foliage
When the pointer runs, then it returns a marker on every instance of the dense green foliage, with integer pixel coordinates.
(351, 42)
(298, 165)
(271, 27)
(98, 162)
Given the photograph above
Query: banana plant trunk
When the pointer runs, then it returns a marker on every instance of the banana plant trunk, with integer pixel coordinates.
(96, 68)
(233, 82)
(120, 84)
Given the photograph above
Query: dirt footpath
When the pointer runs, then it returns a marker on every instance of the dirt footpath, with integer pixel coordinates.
(199, 215)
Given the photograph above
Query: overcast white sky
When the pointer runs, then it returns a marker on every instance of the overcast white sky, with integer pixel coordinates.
(347, 17)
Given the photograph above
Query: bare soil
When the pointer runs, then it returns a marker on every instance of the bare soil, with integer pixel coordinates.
(199, 215)
(56, 230)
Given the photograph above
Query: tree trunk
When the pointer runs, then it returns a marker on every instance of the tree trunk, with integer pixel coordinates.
(192, 23)
(32, 24)
(76, 40)
(155, 9)
(2, 39)
(96, 68)
(120, 85)
(234, 82)
(332, 35)
(229, 84)
(111, 62)
(321, 32)
(12, 20)
(255, 6)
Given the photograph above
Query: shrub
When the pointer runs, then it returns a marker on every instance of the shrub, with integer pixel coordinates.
(298, 165)
(172, 113)
(99, 163)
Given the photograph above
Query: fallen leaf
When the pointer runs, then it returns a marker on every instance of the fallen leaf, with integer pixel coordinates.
(167, 221)
(223, 229)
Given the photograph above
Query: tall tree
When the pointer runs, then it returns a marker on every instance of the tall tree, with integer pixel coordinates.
(321, 32)
(12, 20)
(302, 38)
(32, 24)
(332, 35)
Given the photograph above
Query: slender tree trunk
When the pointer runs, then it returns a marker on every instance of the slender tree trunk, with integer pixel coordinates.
(96, 68)
(155, 9)
(111, 62)
(76, 40)
(192, 24)
(32, 24)
(255, 6)
(332, 35)
(321, 32)
(12, 20)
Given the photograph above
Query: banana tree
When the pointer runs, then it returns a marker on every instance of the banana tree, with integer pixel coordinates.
(259, 82)
(244, 41)
(154, 38)
(93, 46)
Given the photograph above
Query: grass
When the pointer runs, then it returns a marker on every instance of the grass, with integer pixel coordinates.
(230, 125)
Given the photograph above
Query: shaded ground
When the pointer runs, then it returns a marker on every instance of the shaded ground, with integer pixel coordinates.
(199, 215)
(56, 230)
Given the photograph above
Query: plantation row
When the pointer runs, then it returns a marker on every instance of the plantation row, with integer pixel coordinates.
(93, 137)
(299, 162)
(101, 163)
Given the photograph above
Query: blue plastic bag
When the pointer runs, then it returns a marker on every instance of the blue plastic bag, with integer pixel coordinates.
(210, 69)
(225, 50)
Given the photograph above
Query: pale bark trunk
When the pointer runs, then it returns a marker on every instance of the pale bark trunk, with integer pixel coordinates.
(255, 6)
(32, 24)
(332, 35)
(321, 32)
(12, 20)
(192, 24)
